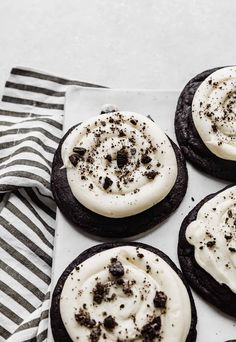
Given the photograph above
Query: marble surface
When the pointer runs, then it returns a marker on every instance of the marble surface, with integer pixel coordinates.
(126, 44)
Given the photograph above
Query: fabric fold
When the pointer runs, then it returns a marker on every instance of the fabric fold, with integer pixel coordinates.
(31, 119)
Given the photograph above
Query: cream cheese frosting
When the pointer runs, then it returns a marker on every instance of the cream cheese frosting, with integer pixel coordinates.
(213, 235)
(123, 293)
(214, 112)
(119, 164)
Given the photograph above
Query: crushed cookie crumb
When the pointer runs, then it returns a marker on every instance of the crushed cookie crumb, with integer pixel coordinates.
(151, 174)
(145, 159)
(109, 323)
(210, 244)
(80, 151)
(99, 293)
(108, 158)
(74, 158)
(151, 330)
(84, 319)
(95, 334)
(116, 268)
(160, 299)
(107, 183)
(122, 158)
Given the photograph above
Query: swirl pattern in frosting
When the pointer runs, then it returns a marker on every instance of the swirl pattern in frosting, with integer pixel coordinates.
(213, 235)
(214, 112)
(127, 294)
(119, 164)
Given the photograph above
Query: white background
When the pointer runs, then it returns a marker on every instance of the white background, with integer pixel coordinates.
(120, 43)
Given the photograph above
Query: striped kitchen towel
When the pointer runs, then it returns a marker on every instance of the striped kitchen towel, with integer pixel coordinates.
(31, 117)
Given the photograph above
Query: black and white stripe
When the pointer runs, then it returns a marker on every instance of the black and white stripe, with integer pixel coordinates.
(31, 117)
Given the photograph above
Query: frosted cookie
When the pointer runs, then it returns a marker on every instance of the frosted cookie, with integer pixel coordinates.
(118, 174)
(207, 249)
(122, 292)
(205, 122)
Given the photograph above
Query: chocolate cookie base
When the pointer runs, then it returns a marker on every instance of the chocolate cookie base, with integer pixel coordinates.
(58, 329)
(189, 140)
(102, 226)
(220, 295)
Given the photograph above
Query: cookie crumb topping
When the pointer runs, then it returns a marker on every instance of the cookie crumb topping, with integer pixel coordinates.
(151, 174)
(99, 292)
(107, 183)
(95, 334)
(151, 330)
(160, 300)
(145, 159)
(126, 157)
(116, 268)
(83, 318)
(122, 158)
(79, 150)
(121, 295)
(74, 158)
(109, 323)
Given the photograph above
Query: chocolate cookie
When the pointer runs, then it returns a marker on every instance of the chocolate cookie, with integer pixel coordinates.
(204, 122)
(126, 278)
(136, 183)
(206, 249)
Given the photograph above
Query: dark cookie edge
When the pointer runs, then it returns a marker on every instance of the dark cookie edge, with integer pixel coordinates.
(102, 226)
(57, 326)
(219, 295)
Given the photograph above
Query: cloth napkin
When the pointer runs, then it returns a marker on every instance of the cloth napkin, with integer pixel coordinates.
(31, 118)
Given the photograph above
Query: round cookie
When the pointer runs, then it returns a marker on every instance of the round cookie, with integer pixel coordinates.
(208, 148)
(95, 221)
(124, 262)
(207, 251)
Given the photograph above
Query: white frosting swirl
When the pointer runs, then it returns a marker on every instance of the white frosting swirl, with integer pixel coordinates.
(130, 311)
(214, 112)
(146, 178)
(213, 234)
